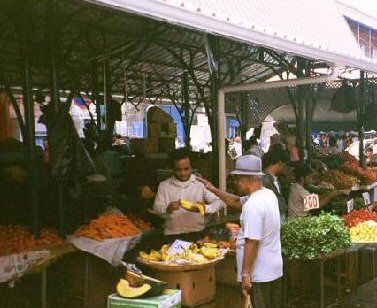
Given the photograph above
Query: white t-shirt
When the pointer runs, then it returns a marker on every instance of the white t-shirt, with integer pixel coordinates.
(260, 220)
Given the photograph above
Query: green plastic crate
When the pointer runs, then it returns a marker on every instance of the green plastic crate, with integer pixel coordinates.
(171, 300)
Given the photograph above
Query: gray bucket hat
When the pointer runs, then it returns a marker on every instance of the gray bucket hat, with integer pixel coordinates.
(248, 165)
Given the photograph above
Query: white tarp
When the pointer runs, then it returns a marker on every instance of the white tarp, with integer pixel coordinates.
(313, 29)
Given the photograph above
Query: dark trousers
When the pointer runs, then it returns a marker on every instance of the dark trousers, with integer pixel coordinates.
(267, 294)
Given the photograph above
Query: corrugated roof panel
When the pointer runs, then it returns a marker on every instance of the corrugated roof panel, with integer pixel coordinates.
(313, 29)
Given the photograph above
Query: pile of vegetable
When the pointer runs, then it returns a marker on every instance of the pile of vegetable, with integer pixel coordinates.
(108, 226)
(365, 232)
(356, 217)
(365, 176)
(314, 237)
(16, 239)
(338, 205)
(348, 158)
(332, 179)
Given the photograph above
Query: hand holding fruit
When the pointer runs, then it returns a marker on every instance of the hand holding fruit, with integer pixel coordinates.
(173, 206)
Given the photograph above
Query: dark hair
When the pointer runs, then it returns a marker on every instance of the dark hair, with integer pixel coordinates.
(332, 141)
(253, 140)
(300, 172)
(275, 155)
(179, 154)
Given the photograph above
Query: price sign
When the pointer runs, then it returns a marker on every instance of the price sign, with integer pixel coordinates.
(375, 194)
(350, 205)
(366, 197)
(179, 246)
(311, 202)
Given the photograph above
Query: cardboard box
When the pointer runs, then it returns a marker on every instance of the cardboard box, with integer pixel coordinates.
(198, 287)
(172, 299)
(226, 271)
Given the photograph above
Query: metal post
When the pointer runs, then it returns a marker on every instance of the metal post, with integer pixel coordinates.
(338, 280)
(361, 119)
(309, 105)
(301, 121)
(30, 124)
(44, 290)
(221, 139)
(86, 282)
(321, 284)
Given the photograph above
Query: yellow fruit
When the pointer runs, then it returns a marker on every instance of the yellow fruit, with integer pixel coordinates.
(124, 289)
(194, 206)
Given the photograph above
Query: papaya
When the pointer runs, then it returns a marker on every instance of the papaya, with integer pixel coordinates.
(125, 290)
(157, 286)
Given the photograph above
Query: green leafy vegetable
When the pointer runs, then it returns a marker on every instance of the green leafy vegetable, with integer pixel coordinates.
(314, 237)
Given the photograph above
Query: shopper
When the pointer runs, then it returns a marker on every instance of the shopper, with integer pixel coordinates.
(255, 149)
(274, 163)
(183, 185)
(259, 259)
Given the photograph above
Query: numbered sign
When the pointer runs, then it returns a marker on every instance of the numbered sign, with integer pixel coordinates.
(179, 246)
(366, 197)
(311, 202)
(350, 205)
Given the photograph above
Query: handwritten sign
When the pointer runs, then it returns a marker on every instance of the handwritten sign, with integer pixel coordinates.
(178, 247)
(366, 197)
(350, 204)
(311, 202)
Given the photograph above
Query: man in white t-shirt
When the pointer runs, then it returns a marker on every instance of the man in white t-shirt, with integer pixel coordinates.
(259, 258)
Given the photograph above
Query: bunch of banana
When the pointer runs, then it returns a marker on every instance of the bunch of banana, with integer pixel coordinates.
(210, 252)
(194, 206)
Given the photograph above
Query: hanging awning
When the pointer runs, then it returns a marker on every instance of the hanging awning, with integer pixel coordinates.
(312, 29)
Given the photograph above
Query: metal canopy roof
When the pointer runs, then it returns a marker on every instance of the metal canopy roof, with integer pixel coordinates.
(313, 29)
(150, 53)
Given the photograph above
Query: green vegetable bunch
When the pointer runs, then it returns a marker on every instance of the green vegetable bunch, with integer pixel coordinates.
(314, 237)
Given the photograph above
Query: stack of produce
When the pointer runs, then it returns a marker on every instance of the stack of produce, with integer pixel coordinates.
(356, 217)
(331, 179)
(365, 232)
(108, 226)
(16, 239)
(196, 254)
(314, 237)
(365, 176)
(348, 158)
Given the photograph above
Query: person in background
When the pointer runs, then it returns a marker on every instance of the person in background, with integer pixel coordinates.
(259, 256)
(332, 149)
(274, 163)
(46, 153)
(298, 193)
(127, 145)
(183, 186)
(293, 149)
(255, 148)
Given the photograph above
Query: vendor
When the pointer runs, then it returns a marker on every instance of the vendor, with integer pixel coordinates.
(183, 186)
(298, 194)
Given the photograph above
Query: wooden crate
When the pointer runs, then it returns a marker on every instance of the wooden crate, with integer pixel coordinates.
(198, 286)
